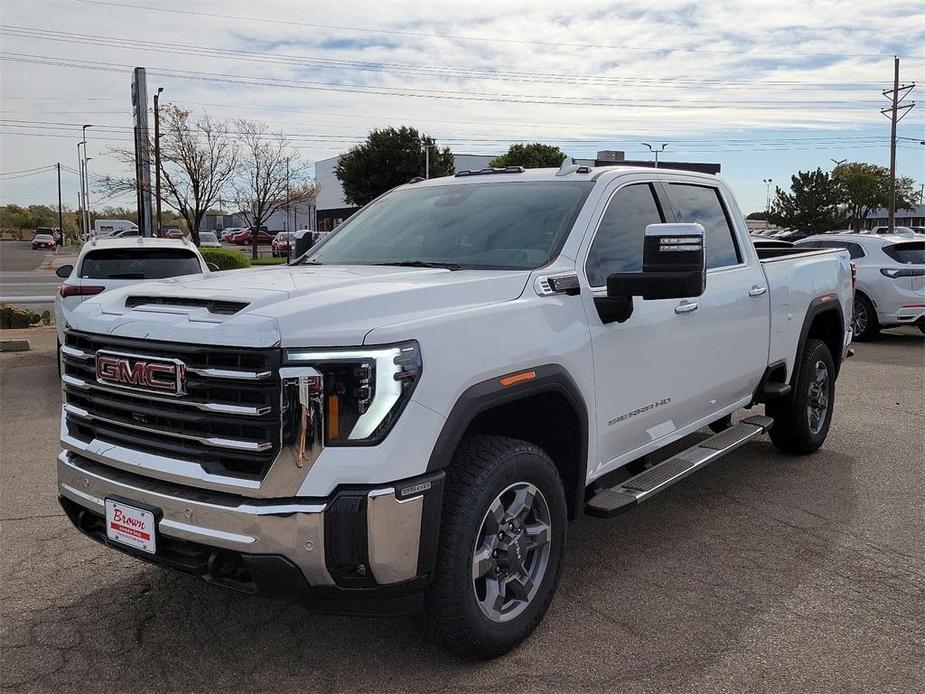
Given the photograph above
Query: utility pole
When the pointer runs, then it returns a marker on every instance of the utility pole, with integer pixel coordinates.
(895, 95)
(656, 151)
(290, 237)
(157, 164)
(60, 216)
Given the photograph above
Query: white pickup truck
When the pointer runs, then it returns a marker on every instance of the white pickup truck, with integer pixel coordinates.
(408, 415)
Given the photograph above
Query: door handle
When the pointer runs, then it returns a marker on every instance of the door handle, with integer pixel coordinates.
(757, 291)
(686, 307)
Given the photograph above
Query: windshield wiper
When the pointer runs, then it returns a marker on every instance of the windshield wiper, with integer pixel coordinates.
(424, 263)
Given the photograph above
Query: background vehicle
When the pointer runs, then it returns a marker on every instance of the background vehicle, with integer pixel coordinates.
(109, 263)
(105, 227)
(905, 231)
(207, 239)
(43, 240)
(124, 234)
(226, 234)
(282, 242)
(172, 234)
(410, 415)
(245, 237)
(890, 280)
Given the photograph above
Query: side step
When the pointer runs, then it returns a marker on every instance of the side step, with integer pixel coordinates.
(609, 502)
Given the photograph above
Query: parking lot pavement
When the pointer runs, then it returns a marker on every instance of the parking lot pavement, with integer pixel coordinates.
(761, 573)
(24, 272)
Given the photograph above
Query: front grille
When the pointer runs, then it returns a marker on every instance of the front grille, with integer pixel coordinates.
(228, 420)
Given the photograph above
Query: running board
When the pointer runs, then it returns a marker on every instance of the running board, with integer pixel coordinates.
(609, 502)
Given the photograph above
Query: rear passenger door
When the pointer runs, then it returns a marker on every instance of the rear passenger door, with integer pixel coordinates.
(735, 308)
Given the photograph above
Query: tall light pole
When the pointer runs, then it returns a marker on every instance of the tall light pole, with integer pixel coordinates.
(767, 200)
(837, 162)
(80, 192)
(426, 145)
(157, 164)
(656, 151)
(86, 179)
(290, 233)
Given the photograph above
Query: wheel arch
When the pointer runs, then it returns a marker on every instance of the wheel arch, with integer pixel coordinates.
(547, 410)
(824, 321)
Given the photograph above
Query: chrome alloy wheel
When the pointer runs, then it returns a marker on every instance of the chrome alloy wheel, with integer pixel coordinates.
(817, 406)
(511, 552)
(859, 318)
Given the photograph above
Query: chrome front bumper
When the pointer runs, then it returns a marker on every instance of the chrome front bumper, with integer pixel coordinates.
(293, 529)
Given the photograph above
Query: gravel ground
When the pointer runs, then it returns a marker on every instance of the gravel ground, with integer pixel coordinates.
(762, 573)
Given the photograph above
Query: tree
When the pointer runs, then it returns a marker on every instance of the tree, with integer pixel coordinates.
(865, 187)
(532, 156)
(812, 204)
(198, 159)
(389, 158)
(760, 216)
(270, 176)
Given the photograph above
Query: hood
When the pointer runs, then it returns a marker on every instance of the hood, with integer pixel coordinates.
(291, 306)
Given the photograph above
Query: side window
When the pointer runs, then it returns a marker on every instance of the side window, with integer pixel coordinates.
(618, 244)
(854, 249)
(702, 205)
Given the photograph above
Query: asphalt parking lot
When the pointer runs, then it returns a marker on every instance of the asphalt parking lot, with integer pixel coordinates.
(761, 573)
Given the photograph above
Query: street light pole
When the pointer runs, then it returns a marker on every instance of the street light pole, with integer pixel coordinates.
(80, 193)
(157, 164)
(86, 179)
(767, 199)
(290, 233)
(656, 151)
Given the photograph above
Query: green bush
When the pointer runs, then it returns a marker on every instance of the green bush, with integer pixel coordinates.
(268, 260)
(225, 258)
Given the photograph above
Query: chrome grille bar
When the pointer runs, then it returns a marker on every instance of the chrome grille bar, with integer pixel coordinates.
(214, 441)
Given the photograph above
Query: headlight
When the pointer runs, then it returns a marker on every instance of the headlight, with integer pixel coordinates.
(364, 389)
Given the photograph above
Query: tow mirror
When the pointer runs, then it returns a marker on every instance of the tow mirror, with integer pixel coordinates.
(64, 271)
(673, 267)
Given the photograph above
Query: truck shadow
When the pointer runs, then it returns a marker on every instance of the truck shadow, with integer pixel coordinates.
(678, 580)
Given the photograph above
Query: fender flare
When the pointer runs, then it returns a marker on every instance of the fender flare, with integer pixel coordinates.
(828, 303)
(489, 393)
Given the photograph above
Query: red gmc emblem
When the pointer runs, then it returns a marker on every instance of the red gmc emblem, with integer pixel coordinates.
(140, 373)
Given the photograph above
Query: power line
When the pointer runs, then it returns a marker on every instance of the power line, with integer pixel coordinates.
(420, 70)
(688, 104)
(483, 39)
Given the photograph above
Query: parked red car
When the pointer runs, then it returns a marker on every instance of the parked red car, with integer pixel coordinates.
(282, 242)
(245, 237)
(43, 240)
(172, 234)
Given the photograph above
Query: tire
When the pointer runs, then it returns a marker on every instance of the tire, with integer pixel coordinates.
(488, 472)
(799, 427)
(864, 319)
(721, 424)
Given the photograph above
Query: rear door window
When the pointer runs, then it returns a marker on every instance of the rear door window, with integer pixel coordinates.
(138, 264)
(702, 205)
(906, 253)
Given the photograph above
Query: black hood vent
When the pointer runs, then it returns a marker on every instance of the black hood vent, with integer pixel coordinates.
(225, 308)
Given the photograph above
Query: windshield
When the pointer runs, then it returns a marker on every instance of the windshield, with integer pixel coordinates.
(517, 226)
(138, 264)
(207, 236)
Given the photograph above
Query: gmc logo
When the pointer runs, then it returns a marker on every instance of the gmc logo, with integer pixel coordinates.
(140, 373)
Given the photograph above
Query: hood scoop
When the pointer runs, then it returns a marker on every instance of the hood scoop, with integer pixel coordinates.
(224, 308)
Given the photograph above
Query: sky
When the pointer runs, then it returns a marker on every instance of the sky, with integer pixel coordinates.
(763, 88)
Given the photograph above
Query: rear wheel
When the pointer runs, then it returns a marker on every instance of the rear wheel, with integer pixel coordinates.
(501, 548)
(864, 322)
(801, 421)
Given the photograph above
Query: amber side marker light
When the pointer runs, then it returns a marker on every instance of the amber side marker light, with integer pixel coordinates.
(517, 378)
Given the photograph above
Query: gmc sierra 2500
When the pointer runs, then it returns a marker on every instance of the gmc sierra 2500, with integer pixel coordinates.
(408, 415)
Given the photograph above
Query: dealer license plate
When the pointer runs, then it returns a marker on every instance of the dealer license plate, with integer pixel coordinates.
(131, 526)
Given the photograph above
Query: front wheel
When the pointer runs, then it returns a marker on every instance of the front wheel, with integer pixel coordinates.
(501, 547)
(801, 421)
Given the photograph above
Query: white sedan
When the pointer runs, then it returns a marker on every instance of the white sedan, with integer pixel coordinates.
(114, 262)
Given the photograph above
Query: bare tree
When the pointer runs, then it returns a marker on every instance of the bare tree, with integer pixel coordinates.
(198, 160)
(271, 176)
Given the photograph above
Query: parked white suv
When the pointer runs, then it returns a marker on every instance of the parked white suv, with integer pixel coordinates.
(890, 279)
(108, 263)
(408, 415)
